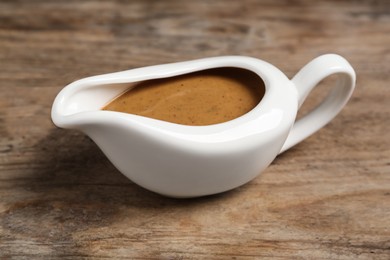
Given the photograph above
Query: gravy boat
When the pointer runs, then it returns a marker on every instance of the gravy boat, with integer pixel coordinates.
(188, 161)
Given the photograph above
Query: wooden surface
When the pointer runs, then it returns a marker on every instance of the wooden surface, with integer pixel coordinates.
(327, 198)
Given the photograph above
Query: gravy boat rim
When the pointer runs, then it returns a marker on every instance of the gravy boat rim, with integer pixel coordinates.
(272, 111)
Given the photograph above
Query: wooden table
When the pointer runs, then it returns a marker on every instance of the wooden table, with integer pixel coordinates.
(327, 198)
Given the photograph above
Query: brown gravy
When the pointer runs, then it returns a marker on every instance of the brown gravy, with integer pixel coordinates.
(201, 98)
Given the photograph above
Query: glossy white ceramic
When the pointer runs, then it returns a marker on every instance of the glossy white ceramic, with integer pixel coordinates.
(188, 161)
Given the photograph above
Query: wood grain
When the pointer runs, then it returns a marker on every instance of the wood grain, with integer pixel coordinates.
(327, 198)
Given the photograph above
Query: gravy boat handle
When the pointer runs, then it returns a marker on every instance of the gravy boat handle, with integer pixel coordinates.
(306, 80)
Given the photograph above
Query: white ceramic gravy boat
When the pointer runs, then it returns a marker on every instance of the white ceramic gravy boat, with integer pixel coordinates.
(188, 161)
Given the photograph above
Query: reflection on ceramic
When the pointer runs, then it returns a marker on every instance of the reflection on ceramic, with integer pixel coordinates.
(188, 161)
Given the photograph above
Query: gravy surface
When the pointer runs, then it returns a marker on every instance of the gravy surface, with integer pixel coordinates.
(201, 98)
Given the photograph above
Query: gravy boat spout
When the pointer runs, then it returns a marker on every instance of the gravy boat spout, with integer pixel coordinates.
(180, 160)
